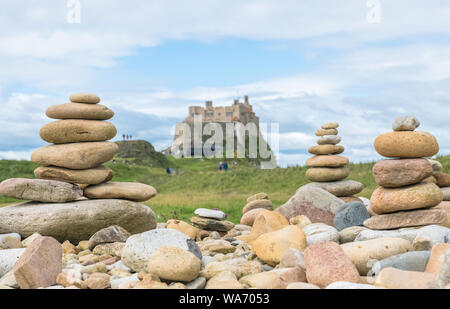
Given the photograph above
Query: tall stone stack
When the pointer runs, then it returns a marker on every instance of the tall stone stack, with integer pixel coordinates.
(327, 170)
(72, 198)
(406, 197)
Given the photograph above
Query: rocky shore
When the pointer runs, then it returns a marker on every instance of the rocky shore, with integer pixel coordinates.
(80, 231)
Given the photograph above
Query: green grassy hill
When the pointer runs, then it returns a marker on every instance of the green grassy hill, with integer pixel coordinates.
(197, 183)
(141, 153)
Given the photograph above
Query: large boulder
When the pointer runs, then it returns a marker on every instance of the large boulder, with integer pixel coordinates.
(139, 248)
(75, 221)
(315, 203)
(46, 191)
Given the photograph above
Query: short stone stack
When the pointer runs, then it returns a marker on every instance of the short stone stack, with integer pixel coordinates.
(211, 220)
(406, 197)
(71, 172)
(327, 170)
(256, 204)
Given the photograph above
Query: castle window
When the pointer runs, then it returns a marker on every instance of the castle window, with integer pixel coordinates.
(209, 114)
(229, 114)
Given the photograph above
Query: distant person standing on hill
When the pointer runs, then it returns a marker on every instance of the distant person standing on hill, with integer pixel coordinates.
(220, 166)
(225, 166)
(123, 135)
(131, 137)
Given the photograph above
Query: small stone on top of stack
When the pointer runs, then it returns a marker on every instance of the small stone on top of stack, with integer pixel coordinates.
(405, 197)
(327, 169)
(255, 205)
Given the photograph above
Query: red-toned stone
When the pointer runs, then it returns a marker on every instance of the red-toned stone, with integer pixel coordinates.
(40, 264)
(326, 263)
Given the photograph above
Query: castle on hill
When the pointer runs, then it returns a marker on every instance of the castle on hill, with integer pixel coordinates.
(237, 112)
(246, 139)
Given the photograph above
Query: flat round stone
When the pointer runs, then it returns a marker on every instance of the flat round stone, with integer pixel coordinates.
(46, 191)
(326, 149)
(79, 111)
(84, 97)
(423, 195)
(210, 213)
(211, 224)
(137, 192)
(330, 125)
(323, 132)
(329, 140)
(324, 174)
(401, 172)
(339, 188)
(93, 176)
(327, 161)
(76, 156)
(75, 131)
(407, 219)
(406, 144)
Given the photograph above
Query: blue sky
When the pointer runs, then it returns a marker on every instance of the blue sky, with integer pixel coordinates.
(302, 62)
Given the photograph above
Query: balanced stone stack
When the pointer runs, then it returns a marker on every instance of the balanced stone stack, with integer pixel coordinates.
(79, 141)
(211, 220)
(71, 170)
(255, 205)
(327, 170)
(406, 197)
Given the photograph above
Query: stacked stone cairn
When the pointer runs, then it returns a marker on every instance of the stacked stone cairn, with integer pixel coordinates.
(255, 205)
(211, 220)
(407, 196)
(72, 198)
(327, 170)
